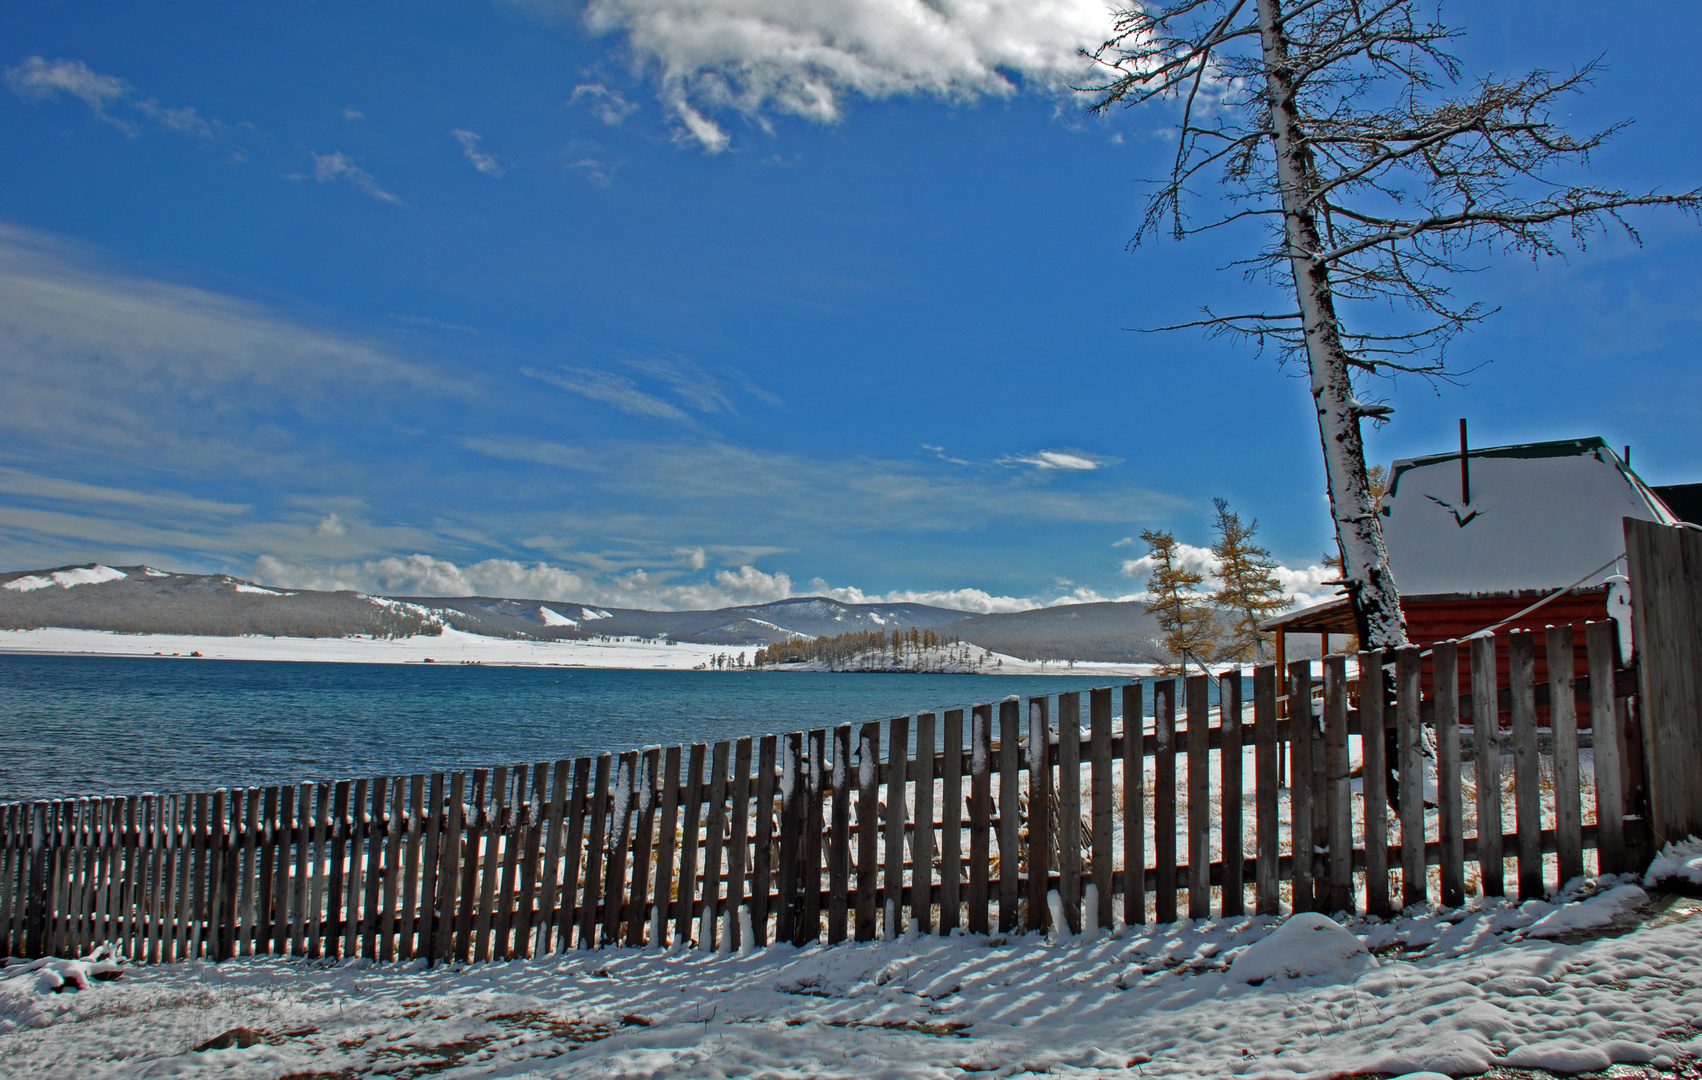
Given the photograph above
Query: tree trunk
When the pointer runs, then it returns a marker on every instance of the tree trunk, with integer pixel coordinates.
(1365, 564)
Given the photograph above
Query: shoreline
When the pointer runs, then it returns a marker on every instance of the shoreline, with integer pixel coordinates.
(455, 648)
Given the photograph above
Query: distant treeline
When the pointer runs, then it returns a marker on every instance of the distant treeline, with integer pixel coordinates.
(901, 648)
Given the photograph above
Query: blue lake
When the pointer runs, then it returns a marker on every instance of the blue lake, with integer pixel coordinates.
(100, 726)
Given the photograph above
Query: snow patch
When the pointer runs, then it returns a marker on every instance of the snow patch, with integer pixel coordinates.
(65, 579)
(1680, 860)
(555, 618)
(1307, 944)
(244, 587)
(1599, 910)
(592, 614)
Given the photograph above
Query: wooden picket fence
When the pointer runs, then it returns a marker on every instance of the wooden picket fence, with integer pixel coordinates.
(819, 834)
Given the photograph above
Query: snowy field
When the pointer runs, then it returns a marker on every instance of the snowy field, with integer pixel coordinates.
(1612, 976)
(455, 647)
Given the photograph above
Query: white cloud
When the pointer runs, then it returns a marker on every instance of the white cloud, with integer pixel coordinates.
(338, 165)
(606, 104)
(610, 389)
(480, 160)
(761, 58)
(351, 114)
(694, 557)
(1067, 460)
(330, 525)
(42, 80)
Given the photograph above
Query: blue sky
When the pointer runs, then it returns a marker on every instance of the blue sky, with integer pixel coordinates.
(664, 304)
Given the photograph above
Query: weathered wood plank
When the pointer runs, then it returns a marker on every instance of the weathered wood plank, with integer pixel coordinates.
(377, 871)
(980, 815)
(449, 868)
(300, 921)
(599, 814)
(951, 823)
(1486, 765)
(787, 912)
(1198, 690)
(1040, 791)
(638, 907)
(1134, 805)
(1563, 723)
(762, 847)
(714, 840)
(1527, 767)
(10, 887)
(738, 831)
(620, 842)
(922, 833)
(1373, 701)
(1233, 840)
(1338, 791)
(435, 813)
(1069, 809)
(1010, 813)
(808, 928)
(1164, 798)
(686, 907)
(897, 813)
(1450, 821)
(316, 891)
(354, 884)
(1410, 739)
(868, 828)
(1302, 728)
(839, 846)
(472, 851)
(1601, 641)
(408, 912)
(514, 830)
(282, 893)
(667, 856)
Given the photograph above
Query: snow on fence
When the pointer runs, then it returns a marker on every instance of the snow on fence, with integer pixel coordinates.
(815, 834)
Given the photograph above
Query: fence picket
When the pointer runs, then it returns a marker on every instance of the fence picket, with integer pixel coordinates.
(668, 853)
(1010, 816)
(378, 873)
(1198, 690)
(303, 870)
(1234, 841)
(599, 813)
(1608, 740)
(738, 832)
(1373, 705)
(839, 846)
(409, 913)
(620, 842)
(395, 828)
(1410, 739)
(1164, 799)
(809, 924)
(787, 913)
(639, 905)
(1527, 770)
(898, 754)
(354, 880)
(1563, 726)
(1134, 806)
(686, 909)
(1338, 789)
(922, 833)
(449, 870)
(1486, 766)
(489, 859)
(951, 823)
(9, 889)
(1450, 829)
(868, 828)
(566, 915)
(762, 851)
(1069, 809)
(715, 840)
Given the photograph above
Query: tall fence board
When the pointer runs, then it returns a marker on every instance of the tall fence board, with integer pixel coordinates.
(991, 817)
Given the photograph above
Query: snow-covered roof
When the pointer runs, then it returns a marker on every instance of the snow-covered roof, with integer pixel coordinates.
(1540, 516)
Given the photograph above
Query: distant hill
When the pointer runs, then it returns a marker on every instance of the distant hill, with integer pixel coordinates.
(142, 599)
(1116, 632)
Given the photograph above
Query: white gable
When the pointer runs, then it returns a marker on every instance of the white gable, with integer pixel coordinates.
(1541, 516)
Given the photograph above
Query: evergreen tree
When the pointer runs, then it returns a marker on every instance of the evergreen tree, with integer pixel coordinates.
(1190, 629)
(1248, 589)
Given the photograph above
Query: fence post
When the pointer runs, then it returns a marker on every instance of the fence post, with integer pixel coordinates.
(1666, 591)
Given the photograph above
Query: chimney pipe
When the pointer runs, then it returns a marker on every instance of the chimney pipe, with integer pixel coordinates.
(1465, 468)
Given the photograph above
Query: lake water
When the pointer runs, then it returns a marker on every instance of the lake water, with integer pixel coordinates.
(110, 726)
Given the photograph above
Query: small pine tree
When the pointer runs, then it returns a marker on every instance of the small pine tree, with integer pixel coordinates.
(1190, 629)
(1248, 589)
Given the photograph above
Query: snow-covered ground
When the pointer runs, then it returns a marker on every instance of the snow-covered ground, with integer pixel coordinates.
(452, 647)
(1618, 980)
(455, 647)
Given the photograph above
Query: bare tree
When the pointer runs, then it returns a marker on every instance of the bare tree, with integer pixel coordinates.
(1330, 122)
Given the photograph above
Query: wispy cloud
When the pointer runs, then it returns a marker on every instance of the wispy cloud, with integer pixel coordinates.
(110, 99)
(340, 166)
(606, 104)
(480, 160)
(675, 387)
(610, 389)
(351, 114)
(1066, 460)
(716, 57)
